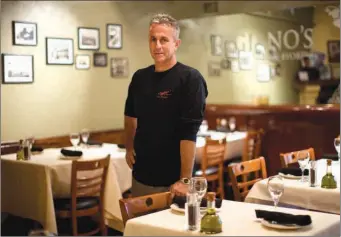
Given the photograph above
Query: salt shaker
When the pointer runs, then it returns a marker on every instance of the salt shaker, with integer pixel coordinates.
(192, 211)
(312, 174)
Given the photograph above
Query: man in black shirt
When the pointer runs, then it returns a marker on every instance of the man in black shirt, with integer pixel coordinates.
(163, 111)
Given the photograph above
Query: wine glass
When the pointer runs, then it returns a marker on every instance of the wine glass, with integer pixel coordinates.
(199, 185)
(232, 124)
(204, 126)
(276, 188)
(303, 158)
(74, 138)
(85, 134)
(337, 146)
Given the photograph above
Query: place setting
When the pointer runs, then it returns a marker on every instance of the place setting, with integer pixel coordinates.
(275, 219)
(199, 186)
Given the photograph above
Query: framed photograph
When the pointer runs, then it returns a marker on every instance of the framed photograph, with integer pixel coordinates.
(114, 36)
(216, 45)
(59, 51)
(235, 66)
(214, 69)
(263, 72)
(260, 51)
(17, 68)
(24, 33)
(119, 67)
(225, 64)
(245, 60)
(100, 59)
(231, 50)
(88, 38)
(333, 47)
(82, 61)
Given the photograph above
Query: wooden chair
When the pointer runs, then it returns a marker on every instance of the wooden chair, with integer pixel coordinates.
(289, 158)
(246, 167)
(252, 145)
(139, 206)
(212, 163)
(88, 180)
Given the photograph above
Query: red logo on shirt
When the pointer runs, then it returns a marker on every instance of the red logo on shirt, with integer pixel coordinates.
(164, 94)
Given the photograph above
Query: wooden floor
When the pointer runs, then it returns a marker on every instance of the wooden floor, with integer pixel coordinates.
(17, 226)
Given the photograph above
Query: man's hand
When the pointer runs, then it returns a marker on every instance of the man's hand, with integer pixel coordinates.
(179, 189)
(130, 158)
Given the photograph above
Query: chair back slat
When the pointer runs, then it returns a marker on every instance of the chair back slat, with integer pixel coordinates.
(138, 206)
(290, 158)
(252, 144)
(243, 169)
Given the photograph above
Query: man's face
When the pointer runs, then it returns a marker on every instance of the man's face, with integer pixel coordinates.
(162, 42)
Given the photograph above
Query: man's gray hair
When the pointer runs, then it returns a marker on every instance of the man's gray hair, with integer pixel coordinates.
(163, 18)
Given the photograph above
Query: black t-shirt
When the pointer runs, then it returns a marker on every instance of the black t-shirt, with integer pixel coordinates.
(169, 107)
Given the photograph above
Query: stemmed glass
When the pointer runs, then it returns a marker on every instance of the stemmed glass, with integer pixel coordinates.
(204, 126)
(199, 185)
(276, 188)
(85, 134)
(303, 158)
(74, 138)
(232, 124)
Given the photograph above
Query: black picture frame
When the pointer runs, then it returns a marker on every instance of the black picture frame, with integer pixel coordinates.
(28, 64)
(100, 59)
(65, 45)
(21, 36)
(118, 29)
(89, 38)
(333, 47)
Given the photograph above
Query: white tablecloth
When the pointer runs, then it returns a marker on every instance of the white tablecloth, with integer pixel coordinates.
(238, 218)
(28, 187)
(234, 145)
(301, 194)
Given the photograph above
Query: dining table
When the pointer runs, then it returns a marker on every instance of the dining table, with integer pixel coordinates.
(235, 142)
(238, 219)
(302, 194)
(28, 187)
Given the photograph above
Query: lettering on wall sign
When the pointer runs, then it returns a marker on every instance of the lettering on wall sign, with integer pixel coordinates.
(334, 12)
(283, 45)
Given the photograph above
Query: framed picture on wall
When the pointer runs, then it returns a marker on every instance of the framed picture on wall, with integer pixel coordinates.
(333, 51)
(82, 62)
(216, 45)
(214, 69)
(114, 36)
(260, 51)
(119, 67)
(100, 59)
(231, 50)
(17, 68)
(88, 38)
(59, 51)
(245, 60)
(24, 33)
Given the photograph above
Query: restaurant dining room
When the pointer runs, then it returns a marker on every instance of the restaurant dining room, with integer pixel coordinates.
(170, 118)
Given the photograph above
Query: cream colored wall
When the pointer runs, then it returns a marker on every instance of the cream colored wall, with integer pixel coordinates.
(241, 87)
(324, 29)
(63, 100)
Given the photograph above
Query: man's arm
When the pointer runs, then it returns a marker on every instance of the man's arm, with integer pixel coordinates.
(187, 152)
(130, 124)
(192, 114)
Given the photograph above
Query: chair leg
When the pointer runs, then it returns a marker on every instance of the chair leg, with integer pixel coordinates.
(103, 228)
(74, 225)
